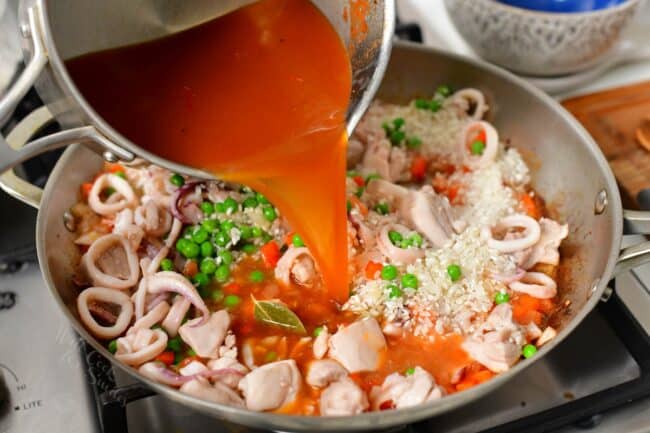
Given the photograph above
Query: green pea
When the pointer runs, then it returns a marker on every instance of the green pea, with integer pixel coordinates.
(208, 266)
(297, 241)
(317, 331)
(477, 147)
(382, 208)
(166, 265)
(227, 225)
(413, 142)
(190, 250)
(222, 273)
(415, 239)
(398, 122)
(246, 232)
(256, 276)
(210, 226)
(394, 291)
(249, 248)
(395, 237)
(207, 208)
(435, 105)
(261, 199)
(177, 179)
(389, 272)
(175, 344)
(220, 207)
(181, 244)
(396, 137)
(422, 104)
(257, 231)
(231, 205)
(454, 272)
(372, 176)
(207, 249)
(410, 281)
(231, 301)
(225, 256)
(409, 371)
(217, 295)
(112, 346)
(221, 238)
(443, 90)
(501, 298)
(108, 191)
(120, 174)
(269, 213)
(200, 235)
(528, 350)
(201, 279)
(250, 202)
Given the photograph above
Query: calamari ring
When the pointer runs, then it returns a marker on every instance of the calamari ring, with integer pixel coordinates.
(536, 284)
(99, 277)
(146, 353)
(120, 185)
(531, 234)
(112, 296)
(491, 144)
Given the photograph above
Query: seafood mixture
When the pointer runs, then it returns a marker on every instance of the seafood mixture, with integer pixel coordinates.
(453, 268)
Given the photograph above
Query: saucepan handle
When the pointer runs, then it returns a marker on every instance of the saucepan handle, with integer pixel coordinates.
(10, 156)
(634, 222)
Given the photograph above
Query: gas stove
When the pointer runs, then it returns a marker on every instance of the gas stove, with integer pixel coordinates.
(597, 380)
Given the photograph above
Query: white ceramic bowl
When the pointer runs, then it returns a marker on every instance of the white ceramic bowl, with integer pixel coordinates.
(539, 43)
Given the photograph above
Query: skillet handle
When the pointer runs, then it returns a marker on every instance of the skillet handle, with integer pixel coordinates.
(12, 155)
(634, 222)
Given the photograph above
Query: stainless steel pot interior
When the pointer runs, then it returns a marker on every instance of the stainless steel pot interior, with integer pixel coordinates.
(74, 27)
(571, 172)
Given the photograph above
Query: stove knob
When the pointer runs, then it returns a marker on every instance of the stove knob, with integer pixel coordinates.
(4, 396)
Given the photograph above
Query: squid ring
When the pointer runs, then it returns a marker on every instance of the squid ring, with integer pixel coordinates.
(532, 233)
(99, 277)
(536, 284)
(120, 185)
(110, 296)
(491, 144)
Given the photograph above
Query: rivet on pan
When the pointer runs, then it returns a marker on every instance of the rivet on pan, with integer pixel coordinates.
(69, 221)
(109, 156)
(25, 30)
(601, 202)
(607, 293)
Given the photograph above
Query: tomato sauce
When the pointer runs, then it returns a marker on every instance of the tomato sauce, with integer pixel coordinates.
(258, 96)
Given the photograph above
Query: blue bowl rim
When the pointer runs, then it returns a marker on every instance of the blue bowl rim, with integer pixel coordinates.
(564, 15)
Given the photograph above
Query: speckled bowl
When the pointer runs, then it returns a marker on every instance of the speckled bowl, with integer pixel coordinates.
(539, 43)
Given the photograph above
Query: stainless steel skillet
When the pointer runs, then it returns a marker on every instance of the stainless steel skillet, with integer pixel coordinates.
(571, 174)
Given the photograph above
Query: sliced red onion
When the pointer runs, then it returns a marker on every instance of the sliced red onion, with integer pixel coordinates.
(158, 371)
(178, 197)
(509, 278)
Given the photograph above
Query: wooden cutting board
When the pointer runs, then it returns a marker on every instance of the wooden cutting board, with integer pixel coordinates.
(612, 118)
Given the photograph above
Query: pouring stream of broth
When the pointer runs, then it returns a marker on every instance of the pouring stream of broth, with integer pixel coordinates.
(258, 96)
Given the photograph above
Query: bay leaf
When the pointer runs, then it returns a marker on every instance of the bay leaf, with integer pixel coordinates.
(275, 312)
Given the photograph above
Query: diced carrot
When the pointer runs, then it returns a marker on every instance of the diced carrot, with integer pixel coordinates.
(85, 189)
(418, 168)
(191, 268)
(526, 309)
(167, 357)
(481, 136)
(232, 288)
(529, 206)
(372, 268)
(546, 306)
(465, 384)
(386, 405)
(363, 209)
(271, 253)
(440, 183)
(359, 180)
(452, 192)
(482, 376)
(114, 168)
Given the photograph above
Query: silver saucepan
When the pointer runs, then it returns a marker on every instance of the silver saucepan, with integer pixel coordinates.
(573, 176)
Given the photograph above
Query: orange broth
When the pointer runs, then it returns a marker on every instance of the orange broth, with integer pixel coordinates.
(258, 96)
